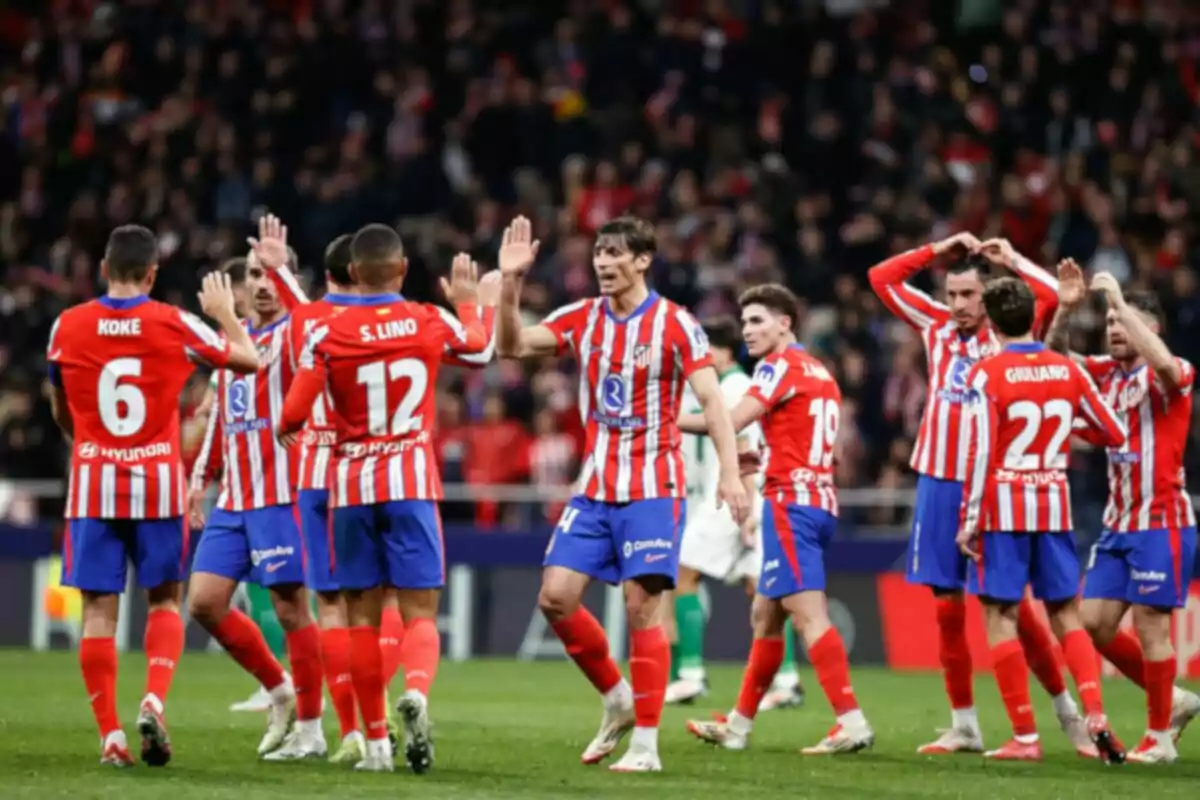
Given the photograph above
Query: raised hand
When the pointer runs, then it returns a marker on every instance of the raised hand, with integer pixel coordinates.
(959, 243)
(517, 249)
(999, 251)
(216, 296)
(1071, 287)
(271, 245)
(463, 284)
(1107, 285)
(489, 289)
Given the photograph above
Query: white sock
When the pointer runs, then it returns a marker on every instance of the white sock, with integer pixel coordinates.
(1027, 738)
(692, 674)
(852, 719)
(283, 690)
(1064, 705)
(154, 702)
(786, 680)
(379, 748)
(964, 719)
(619, 696)
(353, 736)
(644, 739)
(1162, 737)
(309, 727)
(739, 724)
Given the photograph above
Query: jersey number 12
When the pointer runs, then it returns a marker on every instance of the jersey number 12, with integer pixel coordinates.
(376, 376)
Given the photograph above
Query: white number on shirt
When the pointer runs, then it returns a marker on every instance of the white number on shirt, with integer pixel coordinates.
(1032, 414)
(376, 376)
(826, 416)
(122, 406)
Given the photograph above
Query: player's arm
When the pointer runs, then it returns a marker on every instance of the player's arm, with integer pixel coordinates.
(747, 411)
(306, 386)
(216, 298)
(272, 251)
(1043, 285)
(983, 419)
(193, 430)
(463, 334)
(59, 409)
(1148, 344)
(889, 280)
(518, 250)
(487, 318)
(1104, 425)
(210, 459)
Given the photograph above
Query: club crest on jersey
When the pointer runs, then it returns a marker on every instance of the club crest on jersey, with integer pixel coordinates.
(641, 356)
(1132, 394)
(238, 398)
(613, 393)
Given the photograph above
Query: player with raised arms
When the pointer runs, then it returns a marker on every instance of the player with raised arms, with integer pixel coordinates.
(956, 336)
(1143, 559)
(798, 403)
(1016, 513)
(117, 367)
(377, 363)
(252, 533)
(635, 350)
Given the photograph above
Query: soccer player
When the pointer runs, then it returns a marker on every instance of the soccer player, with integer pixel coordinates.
(252, 533)
(713, 545)
(635, 350)
(117, 366)
(956, 337)
(799, 405)
(378, 361)
(1016, 513)
(1143, 559)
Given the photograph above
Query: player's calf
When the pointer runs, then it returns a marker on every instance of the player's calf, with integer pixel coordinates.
(1083, 664)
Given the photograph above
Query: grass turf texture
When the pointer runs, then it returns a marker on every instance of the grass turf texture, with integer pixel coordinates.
(515, 730)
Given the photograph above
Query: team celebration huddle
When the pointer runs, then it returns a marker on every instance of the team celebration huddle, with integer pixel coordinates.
(321, 438)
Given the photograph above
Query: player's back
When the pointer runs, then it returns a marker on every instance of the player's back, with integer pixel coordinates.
(381, 357)
(123, 366)
(1028, 400)
(320, 431)
(799, 428)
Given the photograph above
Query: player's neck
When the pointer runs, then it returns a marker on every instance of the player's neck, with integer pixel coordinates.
(1007, 341)
(785, 343)
(1130, 364)
(336, 288)
(628, 301)
(259, 320)
(125, 291)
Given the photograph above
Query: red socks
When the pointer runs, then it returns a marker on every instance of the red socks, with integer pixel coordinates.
(391, 638)
(649, 671)
(1012, 678)
(420, 653)
(953, 651)
(1038, 643)
(366, 671)
(98, 661)
(1160, 687)
(583, 637)
(828, 657)
(1085, 669)
(765, 657)
(164, 646)
(304, 652)
(244, 642)
(335, 658)
(1125, 653)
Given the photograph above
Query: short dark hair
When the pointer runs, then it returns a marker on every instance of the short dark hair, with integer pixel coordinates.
(337, 259)
(723, 332)
(130, 253)
(1010, 305)
(377, 253)
(972, 261)
(235, 268)
(774, 296)
(637, 234)
(1147, 303)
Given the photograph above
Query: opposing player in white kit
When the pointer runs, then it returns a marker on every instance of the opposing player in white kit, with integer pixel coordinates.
(714, 546)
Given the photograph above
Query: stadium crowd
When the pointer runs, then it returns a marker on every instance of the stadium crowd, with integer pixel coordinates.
(792, 141)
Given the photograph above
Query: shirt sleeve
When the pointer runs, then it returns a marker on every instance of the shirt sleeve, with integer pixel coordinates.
(915, 307)
(487, 316)
(770, 382)
(983, 421)
(566, 323)
(1105, 424)
(1097, 367)
(54, 354)
(1187, 377)
(308, 383)
(291, 293)
(692, 350)
(201, 344)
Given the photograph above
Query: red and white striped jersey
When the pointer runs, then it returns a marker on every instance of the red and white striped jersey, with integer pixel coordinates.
(320, 432)
(632, 372)
(1147, 486)
(122, 364)
(240, 447)
(941, 447)
(377, 363)
(800, 428)
(1023, 407)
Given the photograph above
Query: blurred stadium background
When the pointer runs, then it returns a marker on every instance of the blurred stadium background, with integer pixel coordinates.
(792, 140)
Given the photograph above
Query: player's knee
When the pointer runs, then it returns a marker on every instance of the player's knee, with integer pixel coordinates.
(1153, 629)
(165, 597)
(207, 608)
(331, 610)
(292, 609)
(557, 602)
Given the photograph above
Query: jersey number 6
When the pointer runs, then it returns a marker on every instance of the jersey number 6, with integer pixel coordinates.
(122, 405)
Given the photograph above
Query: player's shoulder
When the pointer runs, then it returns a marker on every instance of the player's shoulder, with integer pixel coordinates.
(575, 308)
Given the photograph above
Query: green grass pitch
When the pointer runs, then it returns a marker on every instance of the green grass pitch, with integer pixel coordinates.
(515, 730)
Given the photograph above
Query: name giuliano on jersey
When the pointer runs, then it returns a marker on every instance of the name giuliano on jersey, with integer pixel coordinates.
(123, 364)
(941, 447)
(700, 452)
(632, 372)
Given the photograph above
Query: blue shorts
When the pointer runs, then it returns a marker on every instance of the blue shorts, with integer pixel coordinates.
(261, 546)
(1011, 561)
(794, 540)
(933, 556)
(97, 552)
(1145, 568)
(398, 543)
(615, 542)
(315, 531)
